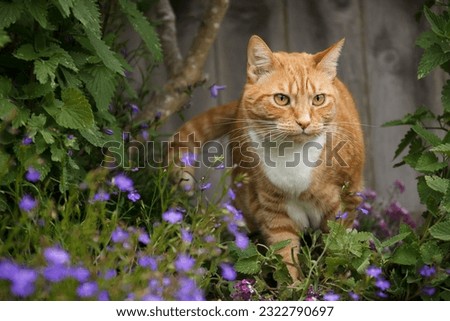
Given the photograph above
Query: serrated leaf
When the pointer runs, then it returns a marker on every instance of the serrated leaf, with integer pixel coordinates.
(35, 90)
(64, 6)
(421, 113)
(395, 239)
(446, 200)
(94, 136)
(37, 122)
(8, 110)
(76, 112)
(4, 38)
(441, 231)
(58, 154)
(280, 245)
(429, 163)
(427, 135)
(250, 251)
(437, 183)
(143, 27)
(445, 98)
(48, 136)
(443, 148)
(437, 22)
(427, 39)
(26, 52)
(431, 253)
(45, 70)
(407, 139)
(9, 13)
(105, 53)
(38, 10)
(87, 12)
(428, 196)
(363, 262)
(101, 83)
(406, 254)
(432, 57)
(21, 117)
(249, 265)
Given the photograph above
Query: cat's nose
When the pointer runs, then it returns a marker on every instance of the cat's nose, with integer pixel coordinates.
(303, 123)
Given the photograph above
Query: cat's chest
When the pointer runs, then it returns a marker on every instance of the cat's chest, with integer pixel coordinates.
(289, 166)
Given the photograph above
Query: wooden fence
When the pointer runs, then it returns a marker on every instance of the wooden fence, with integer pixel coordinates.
(378, 63)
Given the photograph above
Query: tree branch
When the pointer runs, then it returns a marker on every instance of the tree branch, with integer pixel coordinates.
(175, 92)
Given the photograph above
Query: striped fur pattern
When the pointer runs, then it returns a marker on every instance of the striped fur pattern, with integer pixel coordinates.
(296, 102)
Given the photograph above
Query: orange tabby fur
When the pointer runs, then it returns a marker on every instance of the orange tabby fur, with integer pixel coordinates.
(278, 202)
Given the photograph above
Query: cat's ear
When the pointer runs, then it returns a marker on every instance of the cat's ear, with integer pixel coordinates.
(259, 58)
(327, 60)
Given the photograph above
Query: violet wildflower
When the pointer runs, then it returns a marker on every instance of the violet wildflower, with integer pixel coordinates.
(381, 294)
(341, 216)
(399, 185)
(134, 108)
(427, 271)
(382, 284)
(70, 137)
(110, 274)
(123, 182)
(144, 238)
(331, 296)
(243, 290)
(56, 273)
(79, 273)
(172, 216)
(88, 289)
(228, 272)
(363, 210)
(27, 140)
(148, 262)
(205, 186)
(241, 240)
(188, 290)
(209, 239)
(101, 196)
(119, 235)
(214, 90)
(184, 263)
(428, 290)
(103, 296)
(231, 194)
(23, 282)
(189, 159)
(354, 296)
(32, 175)
(134, 196)
(27, 203)
(373, 271)
(56, 256)
(7, 270)
(151, 297)
(186, 236)
(108, 131)
(220, 166)
(145, 135)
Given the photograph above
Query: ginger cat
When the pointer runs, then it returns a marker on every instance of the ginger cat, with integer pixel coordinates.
(300, 122)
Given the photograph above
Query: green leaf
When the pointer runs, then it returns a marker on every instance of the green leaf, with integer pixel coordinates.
(437, 23)
(445, 98)
(429, 163)
(26, 52)
(421, 113)
(10, 12)
(87, 12)
(76, 112)
(21, 117)
(48, 136)
(395, 239)
(250, 251)
(249, 265)
(437, 183)
(406, 254)
(432, 57)
(142, 26)
(94, 136)
(105, 54)
(4, 38)
(37, 122)
(5, 87)
(441, 231)
(427, 39)
(8, 110)
(64, 6)
(38, 10)
(280, 245)
(443, 148)
(407, 139)
(58, 154)
(427, 135)
(45, 70)
(101, 83)
(35, 90)
(431, 253)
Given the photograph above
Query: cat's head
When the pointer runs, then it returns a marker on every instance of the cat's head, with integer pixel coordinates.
(294, 94)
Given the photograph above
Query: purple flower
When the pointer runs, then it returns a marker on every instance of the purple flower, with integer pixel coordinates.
(101, 196)
(241, 240)
(56, 273)
(331, 296)
(145, 135)
(228, 272)
(27, 140)
(134, 108)
(214, 90)
(79, 273)
(32, 175)
(148, 262)
(354, 296)
(209, 239)
(428, 290)
(184, 263)
(134, 196)
(172, 216)
(56, 256)
(103, 296)
(158, 115)
(87, 289)
(8, 270)
(427, 271)
(399, 185)
(186, 236)
(381, 294)
(205, 186)
(27, 203)
(144, 238)
(373, 271)
(108, 131)
(231, 194)
(243, 290)
(341, 216)
(110, 274)
(188, 290)
(382, 284)
(119, 235)
(189, 159)
(23, 282)
(363, 210)
(123, 182)
(70, 137)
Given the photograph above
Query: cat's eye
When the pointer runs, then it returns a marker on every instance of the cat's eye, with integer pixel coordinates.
(318, 100)
(281, 99)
